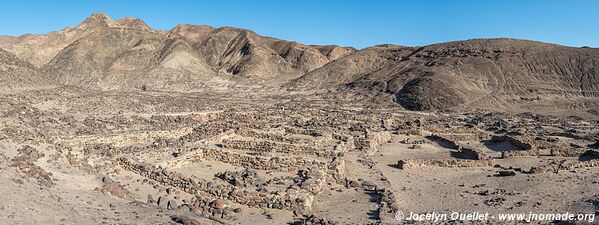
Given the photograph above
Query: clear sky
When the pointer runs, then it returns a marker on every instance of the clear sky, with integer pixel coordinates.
(343, 22)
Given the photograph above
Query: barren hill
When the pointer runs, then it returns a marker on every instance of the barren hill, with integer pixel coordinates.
(126, 53)
(483, 73)
(17, 74)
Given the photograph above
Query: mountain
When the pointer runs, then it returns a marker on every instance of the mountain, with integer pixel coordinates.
(39, 49)
(485, 73)
(242, 52)
(352, 66)
(105, 53)
(8, 40)
(480, 73)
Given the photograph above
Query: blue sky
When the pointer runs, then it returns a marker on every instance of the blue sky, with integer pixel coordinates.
(349, 23)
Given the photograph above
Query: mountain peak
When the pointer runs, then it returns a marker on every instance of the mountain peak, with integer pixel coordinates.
(103, 21)
(99, 15)
(97, 20)
(133, 23)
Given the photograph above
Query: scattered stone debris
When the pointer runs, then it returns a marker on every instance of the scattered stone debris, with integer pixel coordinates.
(312, 219)
(25, 163)
(494, 201)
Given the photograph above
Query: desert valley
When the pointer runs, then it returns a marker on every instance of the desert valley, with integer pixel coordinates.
(114, 122)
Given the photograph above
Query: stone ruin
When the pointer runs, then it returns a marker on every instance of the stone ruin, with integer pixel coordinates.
(287, 161)
(296, 200)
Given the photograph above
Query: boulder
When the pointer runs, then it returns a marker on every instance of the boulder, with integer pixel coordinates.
(114, 189)
(505, 173)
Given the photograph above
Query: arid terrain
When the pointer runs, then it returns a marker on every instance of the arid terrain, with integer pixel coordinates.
(113, 122)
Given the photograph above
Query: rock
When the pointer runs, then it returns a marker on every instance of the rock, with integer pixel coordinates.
(197, 210)
(534, 170)
(184, 208)
(163, 202)
(172, 204)
(238, 182)
(218, 203)
(494, 201)
(185, 220)
(505, 173)
(106, 179)
(369, 186)
(114, 189)
(150, 199)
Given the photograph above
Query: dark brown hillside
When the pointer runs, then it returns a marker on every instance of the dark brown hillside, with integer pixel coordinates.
(482, 73)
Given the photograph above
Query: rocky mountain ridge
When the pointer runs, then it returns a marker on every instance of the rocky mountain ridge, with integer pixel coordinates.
(106, 53)
(480, 73)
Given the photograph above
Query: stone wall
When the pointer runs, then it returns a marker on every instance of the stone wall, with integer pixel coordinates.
(559, 148)
(519, 153)
(369, 141)
(334, 169)
(260, 162)
(263, 146)
(310, 132)
(408, 164)
(519, 142)
(585, 164)
(474, 153)
(444, 138)
(274, 137)
(460, 137)
(204, 131)
(294, 199)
